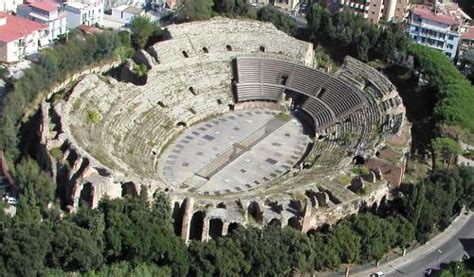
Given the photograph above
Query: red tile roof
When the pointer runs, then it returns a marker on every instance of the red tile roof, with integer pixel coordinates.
(469, 34)
(47, 6)
(17, 27)
(429, 14)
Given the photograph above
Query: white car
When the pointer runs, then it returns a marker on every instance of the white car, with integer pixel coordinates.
(377, 274)
(12, 200)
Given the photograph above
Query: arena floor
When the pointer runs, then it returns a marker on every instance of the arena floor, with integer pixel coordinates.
(233, 153)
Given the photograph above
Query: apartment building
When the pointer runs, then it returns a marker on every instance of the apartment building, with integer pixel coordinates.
(376, 10)
(435, 28)
(20, 37)
(45, 12)
(84, 12)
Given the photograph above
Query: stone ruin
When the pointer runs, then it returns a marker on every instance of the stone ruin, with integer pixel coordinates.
(107, 138)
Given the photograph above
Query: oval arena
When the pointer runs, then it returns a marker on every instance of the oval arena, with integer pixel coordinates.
(236, 123)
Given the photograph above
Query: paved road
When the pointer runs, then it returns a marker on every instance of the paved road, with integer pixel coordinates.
(452, 250)
(453, 243)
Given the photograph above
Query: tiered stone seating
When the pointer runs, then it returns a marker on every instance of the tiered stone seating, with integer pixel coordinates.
(329, 98)
(366, 75)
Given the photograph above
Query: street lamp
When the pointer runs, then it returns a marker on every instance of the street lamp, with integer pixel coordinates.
(439, 254)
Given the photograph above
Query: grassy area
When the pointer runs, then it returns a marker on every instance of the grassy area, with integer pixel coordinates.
(283, 116)
(56, 153)
(93, 116)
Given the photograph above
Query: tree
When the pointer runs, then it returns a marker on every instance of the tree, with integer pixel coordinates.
(282, 21)
(36, 189)
(74, 249)
(192, 10)
(24, 248)
(142, 28)
(448, 148)
(346, 243)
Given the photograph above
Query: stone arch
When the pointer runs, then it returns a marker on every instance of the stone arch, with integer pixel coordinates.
(86, 195)
(219, 102)
(205, 50)
(231, 107)
(177, 215)
(233, 227)
(294, 222)
(255, 211)
(185, 53)
(181, 124)
(262, 48)
(312, 232)
(228, 47)
(358, 160)
(129, 189)
(216, 226)
(275, 222)
(196, 226)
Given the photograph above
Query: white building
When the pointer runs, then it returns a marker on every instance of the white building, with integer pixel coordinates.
(45, 12)
(125, 13)
(84, 12)
(9, 5)
(20, 37)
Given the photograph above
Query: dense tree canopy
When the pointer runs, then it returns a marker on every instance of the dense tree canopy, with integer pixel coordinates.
(454, 92)
(353, 35)
(142, 28)
(191, 10)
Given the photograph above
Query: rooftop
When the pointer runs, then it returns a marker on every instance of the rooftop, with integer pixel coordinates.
(134, 10)
(428, 13)
(469, 34)
(17, 27)
(48, 6)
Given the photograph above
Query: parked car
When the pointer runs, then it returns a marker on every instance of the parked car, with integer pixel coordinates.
(377, 274)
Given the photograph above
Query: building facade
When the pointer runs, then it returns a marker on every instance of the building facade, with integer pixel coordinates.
(20, 37)
(289, 5)
(376, 10)
(9, 5)
(45, 12)
(434, 29)
(84, 12)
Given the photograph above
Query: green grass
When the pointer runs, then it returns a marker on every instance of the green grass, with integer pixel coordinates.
(56, 153)
(360, 170)
(140, 69)
(76, 105)
(93, 116)
(283, 116)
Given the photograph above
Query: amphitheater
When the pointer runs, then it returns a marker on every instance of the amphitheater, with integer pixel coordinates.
(236, 123)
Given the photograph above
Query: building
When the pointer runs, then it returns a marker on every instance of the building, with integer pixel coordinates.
(289, 5)
(125, 13)
(9, 5)
(375, 10)
(45, 12)
(467, 41)
(20, 37)
(436, 28)
(84, 12)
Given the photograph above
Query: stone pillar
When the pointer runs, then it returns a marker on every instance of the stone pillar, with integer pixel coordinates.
(225, 228)
(187, 215)
(205, 229)
(308, 212)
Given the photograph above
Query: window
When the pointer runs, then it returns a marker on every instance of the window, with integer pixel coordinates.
(448, 54)
(451, 37)
(450, 46)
